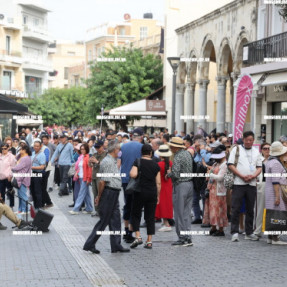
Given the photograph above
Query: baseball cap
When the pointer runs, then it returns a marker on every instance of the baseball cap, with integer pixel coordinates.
(137, 132)
(98, 144)
(63, 135)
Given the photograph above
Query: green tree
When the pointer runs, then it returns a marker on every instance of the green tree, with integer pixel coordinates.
(60, 106)
(116, 83)
(283, 11)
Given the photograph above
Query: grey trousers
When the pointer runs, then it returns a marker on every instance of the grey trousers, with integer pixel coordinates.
(182, 205)
(109, 213)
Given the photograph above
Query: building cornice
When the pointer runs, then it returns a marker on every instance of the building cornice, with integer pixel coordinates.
(212, 15)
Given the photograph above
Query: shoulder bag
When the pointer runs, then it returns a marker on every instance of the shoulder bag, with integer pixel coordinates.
(134, 183)
(228, 178)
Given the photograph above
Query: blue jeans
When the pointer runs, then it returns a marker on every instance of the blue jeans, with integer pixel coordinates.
(84, 196)
(22, 198)
(195, 203)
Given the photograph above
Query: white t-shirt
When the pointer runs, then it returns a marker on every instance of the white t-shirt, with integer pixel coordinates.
(81, 171)
(248, 161)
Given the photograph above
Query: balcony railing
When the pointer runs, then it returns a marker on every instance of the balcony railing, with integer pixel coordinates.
(262, 51)
(11, 56)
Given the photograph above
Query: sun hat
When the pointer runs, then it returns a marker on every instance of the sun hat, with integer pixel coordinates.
(277, 149)
(218, 155)
(215, 144)
(177, 142)
(163, 151)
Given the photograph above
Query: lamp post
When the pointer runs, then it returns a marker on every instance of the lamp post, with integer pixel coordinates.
(174, 62)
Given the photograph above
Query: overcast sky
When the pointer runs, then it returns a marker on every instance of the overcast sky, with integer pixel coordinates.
(69, 19)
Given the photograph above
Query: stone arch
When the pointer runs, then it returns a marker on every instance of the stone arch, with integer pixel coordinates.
(225, 58)
(241, 40)
(207, 51)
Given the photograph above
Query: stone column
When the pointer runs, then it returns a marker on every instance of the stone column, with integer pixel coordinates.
(203, 83)
(179, 107)
(221, 103)
(189, 93)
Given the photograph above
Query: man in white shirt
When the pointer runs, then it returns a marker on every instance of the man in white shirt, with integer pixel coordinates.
(248, 168)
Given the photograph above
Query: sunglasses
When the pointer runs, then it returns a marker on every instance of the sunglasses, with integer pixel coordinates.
(4, 148)
(228, 146)
(266, 148)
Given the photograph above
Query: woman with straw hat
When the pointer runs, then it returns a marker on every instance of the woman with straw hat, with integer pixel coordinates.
(164, 209)
(273, 199)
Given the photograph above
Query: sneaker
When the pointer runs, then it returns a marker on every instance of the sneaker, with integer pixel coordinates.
(187, 243)
(178, 243)
(278, 242)
(95, 213)
(235, 237)
(2, 227)
(241, 231)
(165, 228)
(252, 237)
(86, 212)
(23, 224)
(73, 212)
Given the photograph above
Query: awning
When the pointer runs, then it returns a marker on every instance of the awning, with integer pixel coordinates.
(275, 79)
(255, 79)
(29, 122)
(135, 109)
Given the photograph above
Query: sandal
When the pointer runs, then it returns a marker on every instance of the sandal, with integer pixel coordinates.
(148, 245)
(137, 241)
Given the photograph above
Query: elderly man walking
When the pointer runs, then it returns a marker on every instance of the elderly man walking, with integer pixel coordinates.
(180, 174)
(108, 202)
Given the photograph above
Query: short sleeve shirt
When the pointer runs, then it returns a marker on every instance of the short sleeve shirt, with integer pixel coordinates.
(149, 170)
(248, 161)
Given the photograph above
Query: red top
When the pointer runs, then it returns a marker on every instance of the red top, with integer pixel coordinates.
(165, 208)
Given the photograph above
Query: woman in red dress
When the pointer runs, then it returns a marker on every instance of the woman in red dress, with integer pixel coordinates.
(164, 209)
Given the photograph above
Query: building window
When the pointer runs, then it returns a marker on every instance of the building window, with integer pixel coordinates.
(25, 19)
(66, 73)
(8, 45)
(261, 23)
(36, 21)
(143, 32)
(6, 80)
(90, 56)
(33, 85)
(277, 24)
(77, 83)
(122, 31)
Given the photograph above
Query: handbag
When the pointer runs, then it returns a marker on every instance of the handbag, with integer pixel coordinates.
(228, 177)
(72, 170)
(274, 220)
(14, 182)
(134, 183)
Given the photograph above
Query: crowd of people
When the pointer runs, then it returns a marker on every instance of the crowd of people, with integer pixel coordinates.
(181, 181)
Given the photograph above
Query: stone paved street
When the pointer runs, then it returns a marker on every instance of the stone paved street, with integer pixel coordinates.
(57, 259)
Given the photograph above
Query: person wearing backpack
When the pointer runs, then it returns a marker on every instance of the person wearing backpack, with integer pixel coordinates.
(64, 156)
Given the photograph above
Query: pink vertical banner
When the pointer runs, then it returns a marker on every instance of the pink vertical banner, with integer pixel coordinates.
(242, 101)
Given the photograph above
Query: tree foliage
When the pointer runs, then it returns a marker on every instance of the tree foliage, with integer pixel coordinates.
(60, 106)
(116, 83)
(283, 11)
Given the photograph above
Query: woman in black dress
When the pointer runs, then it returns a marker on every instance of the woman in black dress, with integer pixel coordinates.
(147, 197)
